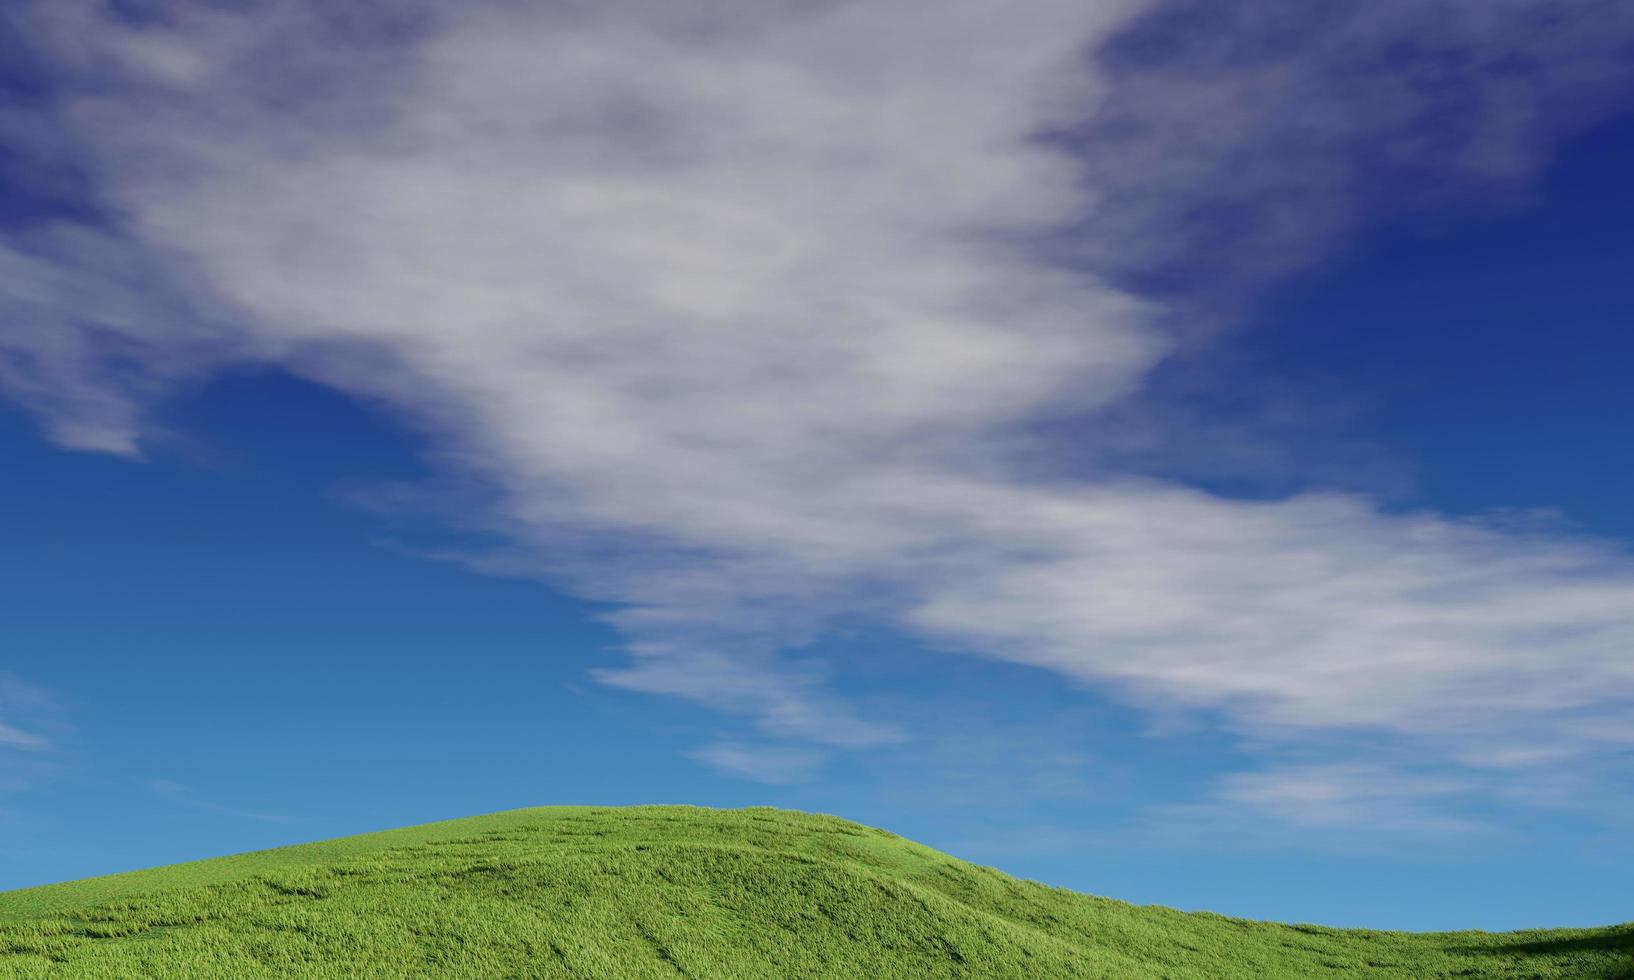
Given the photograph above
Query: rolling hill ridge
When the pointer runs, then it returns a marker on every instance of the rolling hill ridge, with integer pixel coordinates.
(671, 892)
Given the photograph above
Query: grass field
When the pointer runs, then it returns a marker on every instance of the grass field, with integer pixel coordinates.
(684, 892)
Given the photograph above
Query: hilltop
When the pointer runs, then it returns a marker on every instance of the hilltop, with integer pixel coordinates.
(685, 892)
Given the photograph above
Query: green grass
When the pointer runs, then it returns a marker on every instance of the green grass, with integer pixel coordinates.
(685, 892)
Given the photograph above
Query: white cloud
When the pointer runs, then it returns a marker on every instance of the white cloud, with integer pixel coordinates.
(1362, 807)
(1241, 139)
(186, 796)
(90, 335)
(740, 309)
(776, 765)
(17, 738)
(27, 753)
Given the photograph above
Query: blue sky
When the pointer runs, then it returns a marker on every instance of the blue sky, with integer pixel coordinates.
(1183, 460)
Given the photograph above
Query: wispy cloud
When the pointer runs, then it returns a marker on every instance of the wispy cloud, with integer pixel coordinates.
(1244, 139)
(1351, 798)
(20, 702)
(31, 729)
(774, 764)
(744, 310)
(186, 796)
(17, 738)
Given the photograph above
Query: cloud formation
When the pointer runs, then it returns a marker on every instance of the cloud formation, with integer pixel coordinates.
(27, 752)
(21, 703)
(746, 312)
(761, 763)
(17, 738)
(1241, 140)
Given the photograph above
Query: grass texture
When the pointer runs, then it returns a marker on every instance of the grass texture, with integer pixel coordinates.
(666, 892)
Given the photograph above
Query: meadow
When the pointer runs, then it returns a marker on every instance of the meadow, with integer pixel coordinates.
(665, 892)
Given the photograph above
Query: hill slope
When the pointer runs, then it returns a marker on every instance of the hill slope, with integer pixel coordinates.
(685, 892)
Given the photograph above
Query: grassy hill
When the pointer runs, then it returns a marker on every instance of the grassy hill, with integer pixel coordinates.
(684, 892)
